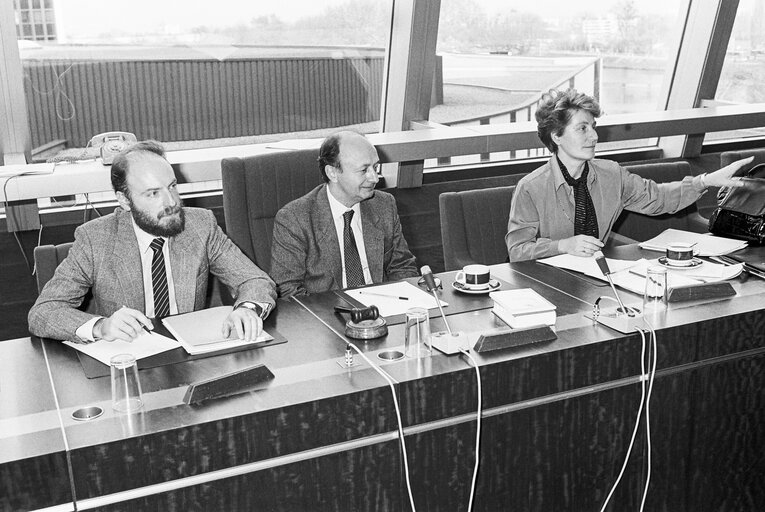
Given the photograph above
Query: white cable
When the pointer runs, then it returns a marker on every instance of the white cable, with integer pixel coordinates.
(652, 375)
(477, 429)
(398, 417)
(637, 420)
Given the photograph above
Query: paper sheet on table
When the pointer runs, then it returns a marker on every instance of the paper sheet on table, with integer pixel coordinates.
(706, 244)
(390, 304)
(586, 266)
(144, 345)
(630, 275)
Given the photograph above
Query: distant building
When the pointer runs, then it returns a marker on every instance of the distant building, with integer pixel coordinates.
(600, 30)
(35, 20)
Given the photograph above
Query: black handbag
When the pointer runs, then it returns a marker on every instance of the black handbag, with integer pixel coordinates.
(740, 211)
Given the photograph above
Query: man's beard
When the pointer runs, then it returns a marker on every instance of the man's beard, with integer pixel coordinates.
(176, 218)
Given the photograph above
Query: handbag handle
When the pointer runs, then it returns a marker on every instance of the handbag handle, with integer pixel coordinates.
(758, 171)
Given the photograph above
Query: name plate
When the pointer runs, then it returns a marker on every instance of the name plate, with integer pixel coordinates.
(229, 384)
(701, 291)
(514, 338)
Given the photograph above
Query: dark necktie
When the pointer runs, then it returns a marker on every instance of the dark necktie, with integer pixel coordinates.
(159, 280)
(354, 273)
(585, 218)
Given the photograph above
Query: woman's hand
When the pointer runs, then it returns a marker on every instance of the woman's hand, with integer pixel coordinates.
(580, 245)
(724, 177)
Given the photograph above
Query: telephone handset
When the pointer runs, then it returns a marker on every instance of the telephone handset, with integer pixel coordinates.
(112, 143)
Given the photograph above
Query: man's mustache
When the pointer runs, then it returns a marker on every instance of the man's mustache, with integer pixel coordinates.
(170, 210)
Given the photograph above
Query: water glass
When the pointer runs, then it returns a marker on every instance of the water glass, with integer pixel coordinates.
(655, 296)
(126, 388)
(417, 334)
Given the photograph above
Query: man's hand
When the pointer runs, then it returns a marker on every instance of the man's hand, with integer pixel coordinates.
(246, 322)
(124, 325)
(580, 245)
(723, 177)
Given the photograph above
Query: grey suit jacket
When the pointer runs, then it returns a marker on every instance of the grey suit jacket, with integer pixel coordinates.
(105, 259)
(305, 251)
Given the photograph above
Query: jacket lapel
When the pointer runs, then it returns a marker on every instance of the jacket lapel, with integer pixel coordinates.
(374, 240)
(326, 236)
(128, 262)
(184, 270)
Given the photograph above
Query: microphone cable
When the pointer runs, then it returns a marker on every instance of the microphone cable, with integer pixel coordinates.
(477, 428)
(398, 417)
(637, 420)
(652, 376)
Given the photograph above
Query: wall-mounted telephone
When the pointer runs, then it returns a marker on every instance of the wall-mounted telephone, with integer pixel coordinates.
(112, 143)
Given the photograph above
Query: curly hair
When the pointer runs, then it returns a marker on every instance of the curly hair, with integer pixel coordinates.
(555, 109)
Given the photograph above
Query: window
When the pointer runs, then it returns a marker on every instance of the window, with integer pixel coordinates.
(198, 74)
(498, 56)
(742, 79)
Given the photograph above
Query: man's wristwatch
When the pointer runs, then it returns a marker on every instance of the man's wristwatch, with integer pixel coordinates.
(257, 308)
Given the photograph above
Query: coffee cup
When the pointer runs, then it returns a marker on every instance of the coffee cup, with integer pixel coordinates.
(474, 276)
(680, 254)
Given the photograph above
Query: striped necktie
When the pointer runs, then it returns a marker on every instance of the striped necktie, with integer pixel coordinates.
(354, 273)
(159, 280)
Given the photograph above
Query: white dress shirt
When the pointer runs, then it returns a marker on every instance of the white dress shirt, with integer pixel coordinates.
(85, 331)
(338, 209)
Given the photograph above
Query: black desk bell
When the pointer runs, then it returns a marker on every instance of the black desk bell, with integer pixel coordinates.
(365, 323)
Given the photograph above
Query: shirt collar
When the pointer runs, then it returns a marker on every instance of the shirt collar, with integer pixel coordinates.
(558, 180)
(338, 209)
(144, 238)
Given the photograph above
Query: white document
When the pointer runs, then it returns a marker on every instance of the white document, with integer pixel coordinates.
(144, 345)
(630, 275)
(394, 298)
(587, 266)
(706, 244)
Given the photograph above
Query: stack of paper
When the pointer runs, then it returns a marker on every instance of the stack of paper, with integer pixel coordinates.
(394, 298)
(630, 275)
(201, 331)
(145, 345)
(705, 243)
(523, 308)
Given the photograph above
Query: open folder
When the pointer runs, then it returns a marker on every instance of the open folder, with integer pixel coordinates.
(201, 331)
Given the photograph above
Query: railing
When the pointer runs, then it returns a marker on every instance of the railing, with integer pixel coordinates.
(525, 112)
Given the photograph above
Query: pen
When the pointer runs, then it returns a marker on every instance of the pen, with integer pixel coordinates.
(385, 295)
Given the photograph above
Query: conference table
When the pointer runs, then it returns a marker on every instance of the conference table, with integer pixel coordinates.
(557, 416)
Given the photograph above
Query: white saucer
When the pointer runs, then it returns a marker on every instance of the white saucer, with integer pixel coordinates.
(493, 285)
(695, 262)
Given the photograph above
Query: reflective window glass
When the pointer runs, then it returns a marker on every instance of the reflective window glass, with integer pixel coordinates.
(742, 79)
(199, 74)
(496, 57)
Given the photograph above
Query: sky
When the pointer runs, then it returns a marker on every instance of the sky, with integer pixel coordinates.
(91, 17)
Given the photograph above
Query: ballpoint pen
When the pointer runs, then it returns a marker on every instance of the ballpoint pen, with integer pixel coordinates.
(385, 295)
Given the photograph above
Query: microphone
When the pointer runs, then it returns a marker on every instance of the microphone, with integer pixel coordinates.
(600, 259)
(447, 342)
(428, 279)
(624, 319)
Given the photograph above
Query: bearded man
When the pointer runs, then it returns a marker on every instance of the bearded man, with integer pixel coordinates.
(149, 259)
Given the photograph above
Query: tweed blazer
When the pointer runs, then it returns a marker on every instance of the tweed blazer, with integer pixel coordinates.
(105, 259)
(305, 251)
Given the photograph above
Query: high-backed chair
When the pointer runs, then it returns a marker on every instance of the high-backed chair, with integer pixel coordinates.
(255, 188)
(728, 157)
(47, 258)
(473, 226)
(642, 227)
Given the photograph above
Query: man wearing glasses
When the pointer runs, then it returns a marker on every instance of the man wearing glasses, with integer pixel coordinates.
(344, 233)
